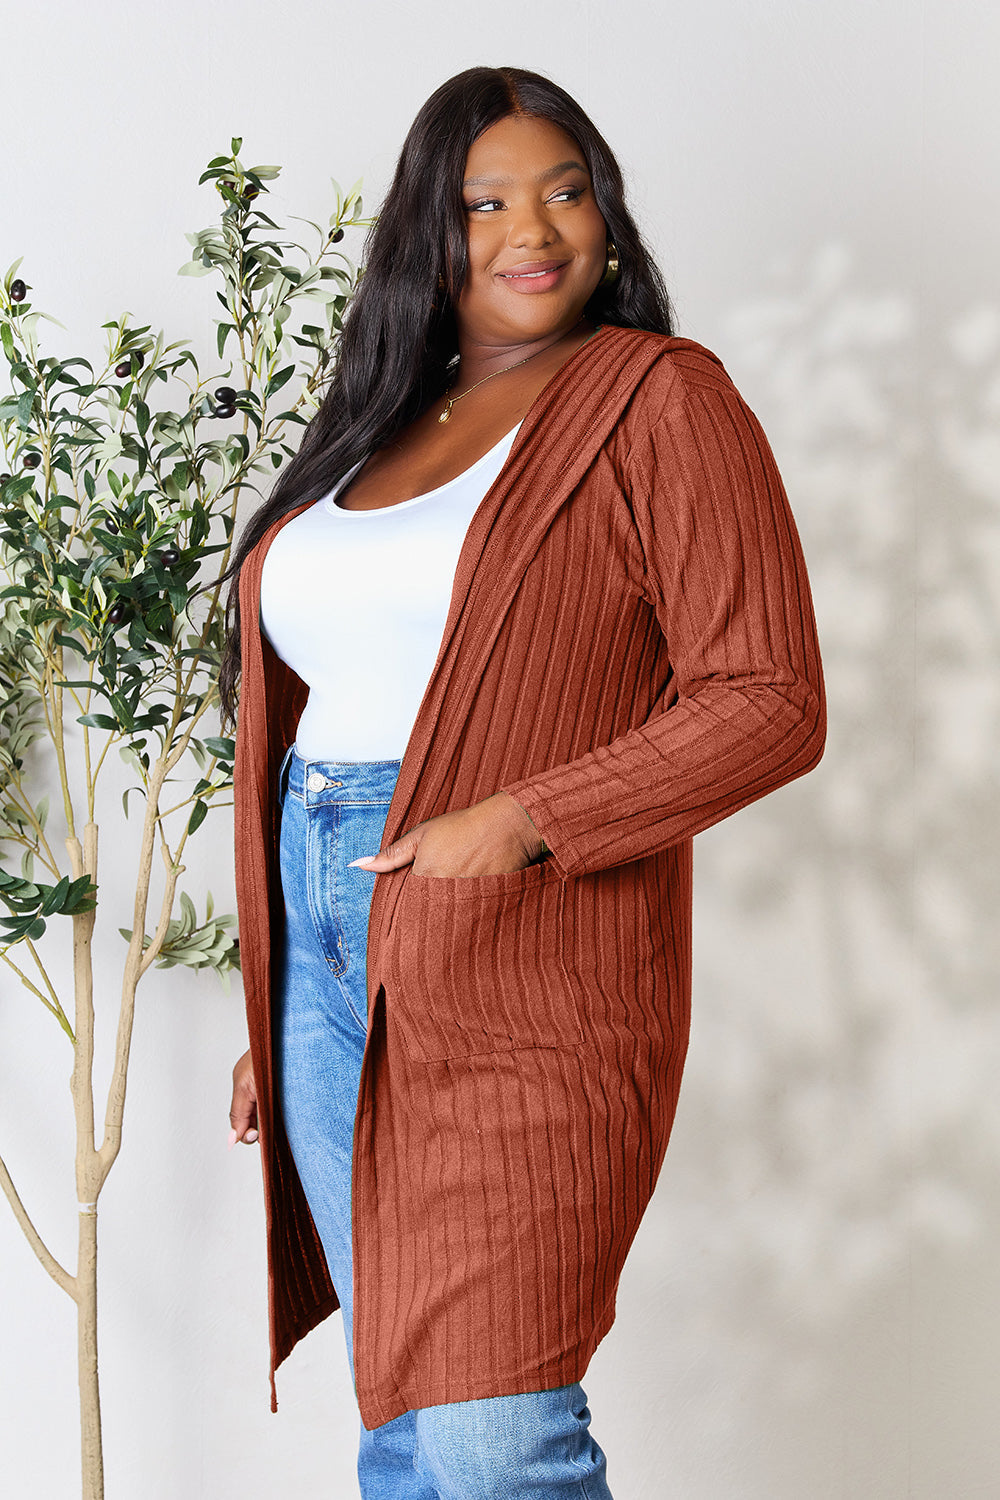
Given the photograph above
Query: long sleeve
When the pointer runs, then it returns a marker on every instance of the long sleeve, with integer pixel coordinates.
(743, 710)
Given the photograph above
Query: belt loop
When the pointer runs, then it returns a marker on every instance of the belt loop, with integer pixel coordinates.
(283, 773)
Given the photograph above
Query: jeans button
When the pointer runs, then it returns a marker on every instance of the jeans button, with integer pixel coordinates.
(316, 781)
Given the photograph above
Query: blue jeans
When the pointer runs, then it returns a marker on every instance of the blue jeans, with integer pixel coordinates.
(522, 1447)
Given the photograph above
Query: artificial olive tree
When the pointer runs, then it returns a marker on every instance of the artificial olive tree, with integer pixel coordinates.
(114, 516)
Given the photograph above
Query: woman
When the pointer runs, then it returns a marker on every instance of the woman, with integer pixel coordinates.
(532, 617)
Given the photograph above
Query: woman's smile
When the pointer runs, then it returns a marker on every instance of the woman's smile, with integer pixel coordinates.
(539, 276)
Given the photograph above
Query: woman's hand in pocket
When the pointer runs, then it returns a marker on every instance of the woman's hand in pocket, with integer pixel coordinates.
(492, 837)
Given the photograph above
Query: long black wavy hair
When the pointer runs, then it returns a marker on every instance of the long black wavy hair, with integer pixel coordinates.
(400, 334)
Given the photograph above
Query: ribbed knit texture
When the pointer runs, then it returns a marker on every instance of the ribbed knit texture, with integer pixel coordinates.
(630, 652)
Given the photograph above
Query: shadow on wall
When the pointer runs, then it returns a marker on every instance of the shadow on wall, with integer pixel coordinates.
(835, 1160)
(888, 437)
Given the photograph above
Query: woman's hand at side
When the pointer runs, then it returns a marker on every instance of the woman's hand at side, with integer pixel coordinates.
(243, 1112)
(492, 837)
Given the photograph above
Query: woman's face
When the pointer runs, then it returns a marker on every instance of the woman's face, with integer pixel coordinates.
(537, 243)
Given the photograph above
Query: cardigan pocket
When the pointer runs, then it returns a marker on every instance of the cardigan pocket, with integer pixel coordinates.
(476, 964)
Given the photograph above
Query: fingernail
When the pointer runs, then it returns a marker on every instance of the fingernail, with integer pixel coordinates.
(232, 1140)
(365, 859)
(250, 1137)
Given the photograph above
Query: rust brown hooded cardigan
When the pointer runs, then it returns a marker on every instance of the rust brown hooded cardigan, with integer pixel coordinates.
(630, 652)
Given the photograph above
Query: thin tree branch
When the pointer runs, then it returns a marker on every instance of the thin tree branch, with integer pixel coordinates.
(23, 802)
(55, 694)
(88, 1166)
(174, 872)
(56, 1009)
(58, 1273)
(42, 971)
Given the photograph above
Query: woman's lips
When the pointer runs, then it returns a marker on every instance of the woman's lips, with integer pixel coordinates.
(539, 278)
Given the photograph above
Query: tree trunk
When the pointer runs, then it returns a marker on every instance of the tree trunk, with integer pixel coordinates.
(92, 1457)
(90, 1175)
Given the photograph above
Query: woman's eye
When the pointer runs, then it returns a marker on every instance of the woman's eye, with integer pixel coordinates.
(490, 205)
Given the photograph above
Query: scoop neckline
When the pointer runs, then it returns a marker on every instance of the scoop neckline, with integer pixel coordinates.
(330, 502)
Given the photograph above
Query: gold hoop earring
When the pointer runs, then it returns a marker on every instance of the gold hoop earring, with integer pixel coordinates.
(612, 268)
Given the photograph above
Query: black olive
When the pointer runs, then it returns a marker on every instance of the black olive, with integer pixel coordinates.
(111, 526)
(124, 370)
(117, 613)
(249, 191)
(337, 236)
(18, 290)
(225, 395)
(169, 556)
(224, 411)
(4, 478)
(31, 460)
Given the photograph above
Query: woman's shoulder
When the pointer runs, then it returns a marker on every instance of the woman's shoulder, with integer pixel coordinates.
(673, 377)
(677, 364)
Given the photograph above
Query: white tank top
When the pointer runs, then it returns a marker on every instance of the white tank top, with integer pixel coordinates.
(355, 602)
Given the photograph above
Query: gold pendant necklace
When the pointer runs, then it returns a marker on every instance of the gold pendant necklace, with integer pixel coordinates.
(507, 368)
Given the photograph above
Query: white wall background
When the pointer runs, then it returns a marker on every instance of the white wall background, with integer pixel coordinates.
(811, 1308)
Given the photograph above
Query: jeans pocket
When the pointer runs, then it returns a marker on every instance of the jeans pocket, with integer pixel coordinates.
(325, 886)
(339, 896)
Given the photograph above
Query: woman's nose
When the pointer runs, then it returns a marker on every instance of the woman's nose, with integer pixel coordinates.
(531, 226)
